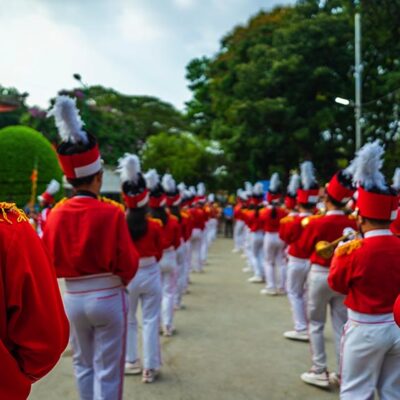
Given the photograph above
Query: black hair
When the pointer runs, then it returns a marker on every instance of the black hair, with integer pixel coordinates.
(274, 212)
(307, 206)
(132, 189)
(336, 203)
(86, 180)
(160, 213)
(373, 221)
(137, 222)
(175, 210)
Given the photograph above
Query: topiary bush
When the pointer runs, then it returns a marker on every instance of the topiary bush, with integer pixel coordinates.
(20, 148)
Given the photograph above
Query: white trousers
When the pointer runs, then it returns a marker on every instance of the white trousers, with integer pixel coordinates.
(204, 247)
(169, 279)
(212, 227)
(196, 245)
(274, 261)
(247, 246)
(181, 259)
(320, 295)
(257, 254)
(146, 288)
(297, 271)
(98, 336)
(239, 234)
(370, 357)
(188, 262)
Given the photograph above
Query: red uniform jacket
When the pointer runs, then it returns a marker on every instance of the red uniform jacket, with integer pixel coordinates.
(238, 212)
(34, 329)
(171, 233)
(290, 231)
(87, 236)
(199, 218)
(186, 225)
(270, 224)
(328, 227)
(254, 221)
(150, 244)
(368, 272)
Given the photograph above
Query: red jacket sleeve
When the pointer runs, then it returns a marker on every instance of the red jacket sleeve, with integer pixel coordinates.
(341, 272)
(126, 260)
(308, 238)
(290, 231)
(177, 235)
(37, 328)
(158, 240)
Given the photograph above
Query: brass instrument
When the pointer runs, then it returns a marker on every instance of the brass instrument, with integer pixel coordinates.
(326, 249)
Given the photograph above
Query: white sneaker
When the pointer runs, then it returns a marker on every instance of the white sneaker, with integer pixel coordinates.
(246, 269)
(255, 279)
(302, 336)
(133, 368)
(235, 251)
(149, 375)
(334, 379)
(320, 380)
(269, 292)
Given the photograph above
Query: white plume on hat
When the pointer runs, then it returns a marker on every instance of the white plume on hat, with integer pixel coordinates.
(307, 174)
(367, 166)
(274, 182)
(242, 194)
(192, 190)
(211, 198)
(294, 184)
(201, 189)
(152, 179)
(53, 187)
(248, 187)
(181, 187)
(68, 120)
(396, 179)
(129, 168)
(258, 189)
(168, 183)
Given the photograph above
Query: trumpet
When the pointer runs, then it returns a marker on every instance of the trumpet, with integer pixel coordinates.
(326, 249)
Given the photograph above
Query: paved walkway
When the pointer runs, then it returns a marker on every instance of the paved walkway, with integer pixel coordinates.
(229, 346)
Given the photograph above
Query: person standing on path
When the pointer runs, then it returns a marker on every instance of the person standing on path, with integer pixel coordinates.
(367, 272)
(239, 227)
(90, 246)
(146, 287)
(33, 326)
(328, 227)
(274, 261)
(171, 240)
(46, 201)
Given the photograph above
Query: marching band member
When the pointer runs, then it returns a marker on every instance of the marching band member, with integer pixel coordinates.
(239, 228)
(255, 224)
(273, 247)
(213, 220)
(146, 287)
(171, 240)
(328, 227)
(46, 201)
(33, 325)
(298, 264)
(367, 272)
(90, 246)
(201, 200)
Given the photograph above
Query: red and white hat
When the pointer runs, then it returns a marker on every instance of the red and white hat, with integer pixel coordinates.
(173, 195)
(78, 153)
(48, 195)
(308, 193)
(134, 190)
(158, 198)
(201, 193)
(275, 189)
(291, 192)
(257, 196)
(375, 200)
(340, 188)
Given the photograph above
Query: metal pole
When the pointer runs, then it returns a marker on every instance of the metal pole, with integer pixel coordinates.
(358, 79)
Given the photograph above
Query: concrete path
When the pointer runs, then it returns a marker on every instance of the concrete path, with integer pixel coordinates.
(229, 346)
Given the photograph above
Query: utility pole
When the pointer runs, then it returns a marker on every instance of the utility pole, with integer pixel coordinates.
(358, 79)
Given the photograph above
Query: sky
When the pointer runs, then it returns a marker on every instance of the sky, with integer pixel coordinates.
(138, 47)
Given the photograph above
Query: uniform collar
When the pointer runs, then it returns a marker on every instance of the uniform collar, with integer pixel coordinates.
(335, 212)
(378, 232)
(304, 214)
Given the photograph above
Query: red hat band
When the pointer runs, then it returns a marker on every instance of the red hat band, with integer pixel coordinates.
(47, 197)
(173, 201)
(273, 197)
(290, 202)
(307, 196)
(377, 205)
(81, 165)
(157, 202)
(338, 191)
(136, 201)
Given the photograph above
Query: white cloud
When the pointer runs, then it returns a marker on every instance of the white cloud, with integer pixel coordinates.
(185, 4)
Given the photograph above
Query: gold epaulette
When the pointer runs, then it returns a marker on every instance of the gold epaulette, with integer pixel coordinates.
(288, 218)
(6, 208)
(307, 220)
(156, 220)
(174, 217)
(60, 203)
(184, 214)
(112, 202)
(348, 247)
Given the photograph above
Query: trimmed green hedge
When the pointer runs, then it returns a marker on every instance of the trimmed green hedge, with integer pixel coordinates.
(20, 146)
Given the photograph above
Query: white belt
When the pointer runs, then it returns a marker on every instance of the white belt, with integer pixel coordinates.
(370, 318)
(297, 260)
(319, 268)
(169, 249)
(147, 261)
(89, 283)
